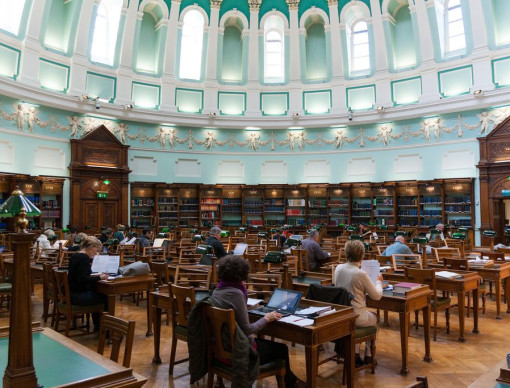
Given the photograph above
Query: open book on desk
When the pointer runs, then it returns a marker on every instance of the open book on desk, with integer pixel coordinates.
(313, 311)
(448, 275)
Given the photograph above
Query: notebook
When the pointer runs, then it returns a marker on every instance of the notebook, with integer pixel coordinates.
(106, 264)
(282, 301)
(240, 248)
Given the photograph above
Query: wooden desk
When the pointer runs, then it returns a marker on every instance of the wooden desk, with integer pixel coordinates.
(302, 283)
(327, 328)
(499, 272)
(418, 299)
(60, 361)
(469, 283)
(126, 285)
(160, 300)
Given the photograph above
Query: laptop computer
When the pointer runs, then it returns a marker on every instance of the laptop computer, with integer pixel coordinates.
(282, 301)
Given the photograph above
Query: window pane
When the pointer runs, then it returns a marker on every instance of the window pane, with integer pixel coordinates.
(455, 14)
(359, 38)
(457, 43)
(273, 50)
(10, 15)
(106, 29)
(191, 45)
(456, 28)
(453, 3)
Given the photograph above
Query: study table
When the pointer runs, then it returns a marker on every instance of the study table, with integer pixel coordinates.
(418, 299)
(126, 285)
(327, 328)
(469, 282)
(498, 273)
(60, 361)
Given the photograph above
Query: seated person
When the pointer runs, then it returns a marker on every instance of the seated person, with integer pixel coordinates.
(81, 280)
(315, 253)
(44, 242)
(214, 241)
(231, 294)
(119, 234)
(144, 239)
(355, 280)
(399, 247)
(78, 239)
(105, 235)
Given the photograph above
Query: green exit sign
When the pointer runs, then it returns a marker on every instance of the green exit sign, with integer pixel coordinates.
(102, 194)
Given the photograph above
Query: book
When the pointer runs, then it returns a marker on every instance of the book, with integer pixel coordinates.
(403, 287)
(313, 311)
(448, 275)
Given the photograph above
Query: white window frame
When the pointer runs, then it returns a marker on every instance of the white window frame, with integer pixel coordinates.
(14, 12)
(107, 57)
(190, 56)
(352, 49)
(279, 79)
(447, 22)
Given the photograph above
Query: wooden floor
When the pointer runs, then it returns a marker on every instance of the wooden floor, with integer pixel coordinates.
(455, 364)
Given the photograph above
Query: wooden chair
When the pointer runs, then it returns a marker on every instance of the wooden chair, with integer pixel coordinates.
(198, 276)
(303, 253)
(64, 259)
(118, 329)
(217, 321)
(64, 306)
(428, 276)
(407, 260)
(255, 261)
(49, 292)
(162, 278)
(157, 254)
(463, 265)
(381, 248)
(263, 284)
(182, 300)
(442, 253)
(421, 382)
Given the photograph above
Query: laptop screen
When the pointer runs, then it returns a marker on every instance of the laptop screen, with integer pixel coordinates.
(285, 299)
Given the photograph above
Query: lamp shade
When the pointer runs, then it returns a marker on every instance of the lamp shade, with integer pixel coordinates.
(12, 207)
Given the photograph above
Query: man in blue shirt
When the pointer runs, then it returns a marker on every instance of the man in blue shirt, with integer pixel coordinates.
(399, 247)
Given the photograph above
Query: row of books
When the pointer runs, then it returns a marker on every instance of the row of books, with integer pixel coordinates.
(210, 207)
(216, 201)
(361, 206)
(253, 204)
(408, 201)
(317, 202)
(189, 201)
(458, 208)
(432, 199)
(142, 202)
(51, 204)
(408, 212)
(231, 202)
(295, 212)
(296, 202)
(338, 202)
(458, 199)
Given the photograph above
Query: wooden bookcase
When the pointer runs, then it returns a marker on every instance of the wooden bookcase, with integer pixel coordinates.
(188, 206)
(317, 212)
(253, 206)
(51, 203)
(210, 206)
(231, 210)
(394, 204)
(167, 208)
(408, 205)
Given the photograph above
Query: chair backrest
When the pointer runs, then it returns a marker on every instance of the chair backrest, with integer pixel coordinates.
(182, 299)
(407, 260)
(198, 276)
(458, 264)
(380, 248)
(157, 254)
(118, 329)
(264, 282)
(304, 258)
(220, 324)
(255, 260)
(160, 272)
(423, 276)
(441, 253)
(62, 288)
(49, 279)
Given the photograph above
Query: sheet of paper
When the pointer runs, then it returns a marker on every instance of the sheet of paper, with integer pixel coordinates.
(298, 321)
(131, 242)
(312, 310)
(253, 302)
(372, 268)
(240, 248)
(105, 264)
(158, 242)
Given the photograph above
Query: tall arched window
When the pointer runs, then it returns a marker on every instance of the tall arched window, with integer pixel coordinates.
(359, 48)
(190, 66)
(11, 13)
(106, 29)
(454, 27)
(274, 50)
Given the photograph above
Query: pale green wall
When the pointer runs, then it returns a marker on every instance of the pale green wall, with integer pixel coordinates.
(148, 48)
(232, 55)
(404, 42)
(316, 57)
(60, 25)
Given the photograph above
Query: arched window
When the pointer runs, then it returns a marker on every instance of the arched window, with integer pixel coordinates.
(454, 27)
(190, 66)
(11, 13)
(106, 29)
(274, 53)
(360, 48)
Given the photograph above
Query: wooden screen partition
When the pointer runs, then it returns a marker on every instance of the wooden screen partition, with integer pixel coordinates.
(494, 170)
(99, 181)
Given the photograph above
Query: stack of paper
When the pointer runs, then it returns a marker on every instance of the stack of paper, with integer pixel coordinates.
(448, 275)
(298, 321)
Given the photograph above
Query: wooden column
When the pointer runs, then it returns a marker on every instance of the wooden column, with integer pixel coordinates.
(20, 372)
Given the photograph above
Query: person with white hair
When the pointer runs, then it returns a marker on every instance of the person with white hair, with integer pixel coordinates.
(315, 253)
(399, 247)
(214, 241)
(43, 242)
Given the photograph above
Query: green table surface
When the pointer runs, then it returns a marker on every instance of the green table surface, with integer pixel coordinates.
(306, 280)
(55, 364)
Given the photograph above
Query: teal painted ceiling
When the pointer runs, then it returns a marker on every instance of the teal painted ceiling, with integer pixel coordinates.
(343, 3)
(204, 4)
(306, 4)
(268, 5)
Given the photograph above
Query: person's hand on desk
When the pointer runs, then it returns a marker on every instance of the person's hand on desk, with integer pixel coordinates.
(102, 276)
(273, 316)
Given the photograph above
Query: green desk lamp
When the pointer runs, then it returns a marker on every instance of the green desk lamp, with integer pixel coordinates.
(19, 207)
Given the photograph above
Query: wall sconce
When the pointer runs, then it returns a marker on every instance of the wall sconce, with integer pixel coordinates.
(83, 97)
(349, 114)
(295, 114)
(380, 109)
(478, 92)
(212, 114)
(128, 106)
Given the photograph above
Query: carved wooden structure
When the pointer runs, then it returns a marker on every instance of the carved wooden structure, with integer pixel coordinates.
(94, 158)
(494, 168)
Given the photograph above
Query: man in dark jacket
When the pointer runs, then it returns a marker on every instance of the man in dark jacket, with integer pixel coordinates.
(214, 241)
(144, 239)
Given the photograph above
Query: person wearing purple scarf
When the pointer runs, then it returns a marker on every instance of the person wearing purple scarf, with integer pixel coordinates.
(231, 294)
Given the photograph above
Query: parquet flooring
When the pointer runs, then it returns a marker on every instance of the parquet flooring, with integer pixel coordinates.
(455, 364)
